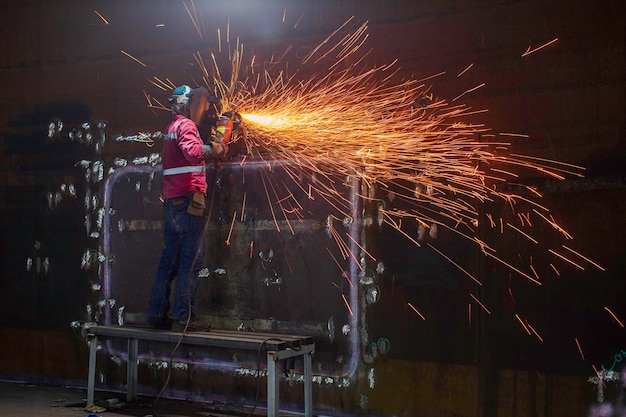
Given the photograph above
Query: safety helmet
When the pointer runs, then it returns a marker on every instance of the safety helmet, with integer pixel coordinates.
(181, 95)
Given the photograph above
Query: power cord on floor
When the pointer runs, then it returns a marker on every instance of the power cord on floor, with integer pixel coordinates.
(189, 310)
(258, 368)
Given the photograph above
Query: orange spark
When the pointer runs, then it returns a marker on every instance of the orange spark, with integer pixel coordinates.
(403, 233)
(585, 258)
(480, 304)
(345, 300)
(232, 223)
(526, 216)
(534, 332)
(194, 18)
(295, 25)
(414, 309)
(465, 70)
(512, 267)
(522, 323)
(365, 124)
(133, 58)
(468, 91)
(279, 202)
(556, 271)
(455, 264)
(532, 268)
(522, 233)
(106, 22)
(269, 201)
(614, 317)
(582, 355)
(599, 376)
(566, 259)
(530, 51)
(361, 247)
(243, 207)
(519, 135)
(343, 272)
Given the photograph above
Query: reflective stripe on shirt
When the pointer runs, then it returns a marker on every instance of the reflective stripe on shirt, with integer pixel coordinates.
(183, 170)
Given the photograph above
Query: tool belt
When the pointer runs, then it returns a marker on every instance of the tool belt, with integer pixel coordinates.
(197, 204)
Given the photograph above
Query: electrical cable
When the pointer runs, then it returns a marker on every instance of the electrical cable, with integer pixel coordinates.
(258, 368)
(189, 312)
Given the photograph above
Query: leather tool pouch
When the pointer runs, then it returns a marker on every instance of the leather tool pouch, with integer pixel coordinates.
(197, 204)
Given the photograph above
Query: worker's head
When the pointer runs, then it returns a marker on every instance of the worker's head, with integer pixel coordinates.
(192, 103)
(180, 100)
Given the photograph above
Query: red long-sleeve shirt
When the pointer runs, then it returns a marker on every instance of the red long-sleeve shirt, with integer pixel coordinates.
(184, 168)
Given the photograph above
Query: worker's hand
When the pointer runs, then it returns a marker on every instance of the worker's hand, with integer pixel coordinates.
(214, 150)
(207, 150)
(219, 150)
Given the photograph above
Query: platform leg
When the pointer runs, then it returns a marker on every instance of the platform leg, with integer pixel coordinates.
(131, 371)
(308, 385)
(91, 376)
(272, 385)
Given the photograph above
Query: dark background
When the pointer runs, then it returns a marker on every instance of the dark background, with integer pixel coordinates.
(61, 62)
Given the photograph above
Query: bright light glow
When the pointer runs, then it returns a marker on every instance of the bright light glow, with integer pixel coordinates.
(352, 120)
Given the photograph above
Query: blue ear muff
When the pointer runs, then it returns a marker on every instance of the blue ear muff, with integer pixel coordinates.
(180, 95)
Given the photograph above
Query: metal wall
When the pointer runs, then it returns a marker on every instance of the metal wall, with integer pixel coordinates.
(80, 213)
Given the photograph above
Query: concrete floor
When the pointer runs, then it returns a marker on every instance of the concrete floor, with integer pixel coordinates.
(19, 400)
(26, 400)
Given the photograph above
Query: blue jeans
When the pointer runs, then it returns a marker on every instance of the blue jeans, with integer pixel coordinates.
(181, 259)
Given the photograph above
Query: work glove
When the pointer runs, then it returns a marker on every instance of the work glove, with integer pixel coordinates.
(214, 150)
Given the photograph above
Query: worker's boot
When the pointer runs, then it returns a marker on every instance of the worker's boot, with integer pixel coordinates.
(160, 323)
(196, 324)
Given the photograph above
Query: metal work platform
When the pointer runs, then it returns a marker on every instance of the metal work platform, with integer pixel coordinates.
(276, 346)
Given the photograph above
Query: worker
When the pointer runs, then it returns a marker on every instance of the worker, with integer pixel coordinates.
(184, 193)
